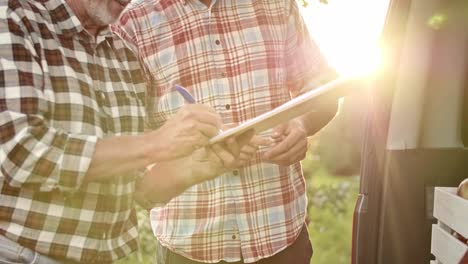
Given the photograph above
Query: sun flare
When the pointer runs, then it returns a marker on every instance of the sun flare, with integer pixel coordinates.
(347, 33)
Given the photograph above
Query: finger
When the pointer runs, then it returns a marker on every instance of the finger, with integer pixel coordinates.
(207, 130)
(299, 152)
(249, 149)
(281, 148)
(260, 141)
(226, 157)
(297, 157)
(208, 118)
(245, 156)
(232, 145)
(215, 160)
(198, 108)
(202, 113)
(286, 145)
(279, 130)
(278, 139)
(295, 154)
(245, 137)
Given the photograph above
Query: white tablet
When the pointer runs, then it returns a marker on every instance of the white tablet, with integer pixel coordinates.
(291, 109)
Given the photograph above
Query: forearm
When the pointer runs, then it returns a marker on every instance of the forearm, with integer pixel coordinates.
(314, 121)
(160, 184)
(166, 180)
(117, 155)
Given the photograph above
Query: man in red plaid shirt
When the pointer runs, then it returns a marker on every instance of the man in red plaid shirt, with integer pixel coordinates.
(243, 58)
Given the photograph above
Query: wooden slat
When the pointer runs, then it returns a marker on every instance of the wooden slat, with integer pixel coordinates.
(445, 247)
(451, 209)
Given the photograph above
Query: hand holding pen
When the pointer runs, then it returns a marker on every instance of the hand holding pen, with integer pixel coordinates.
(235, 152)
(189, 129)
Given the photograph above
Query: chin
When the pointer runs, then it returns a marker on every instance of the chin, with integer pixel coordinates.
(107, 18)
(105, 13)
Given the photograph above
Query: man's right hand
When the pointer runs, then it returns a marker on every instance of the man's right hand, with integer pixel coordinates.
(190, 129)
(168, 179)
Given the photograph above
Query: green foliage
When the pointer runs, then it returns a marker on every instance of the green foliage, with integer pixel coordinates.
(147, 242)
(330, 210)
(436, 21)
(305, 3)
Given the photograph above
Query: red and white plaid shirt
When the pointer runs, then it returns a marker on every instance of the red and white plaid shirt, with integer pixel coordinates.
(243, 58)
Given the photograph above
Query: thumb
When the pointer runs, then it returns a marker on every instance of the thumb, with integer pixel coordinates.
(279, 130)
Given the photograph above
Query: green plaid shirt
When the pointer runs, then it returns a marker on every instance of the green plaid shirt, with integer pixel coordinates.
(61, 90)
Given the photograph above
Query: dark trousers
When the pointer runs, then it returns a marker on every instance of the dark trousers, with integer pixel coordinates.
(300, 252)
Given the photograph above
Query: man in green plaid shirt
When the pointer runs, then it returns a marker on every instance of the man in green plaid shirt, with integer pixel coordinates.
(72, 142)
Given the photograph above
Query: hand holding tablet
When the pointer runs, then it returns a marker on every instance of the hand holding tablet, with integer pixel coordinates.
(297, 106)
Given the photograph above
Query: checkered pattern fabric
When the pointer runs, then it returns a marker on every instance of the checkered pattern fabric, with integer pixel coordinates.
(243, 58)
(60, 91)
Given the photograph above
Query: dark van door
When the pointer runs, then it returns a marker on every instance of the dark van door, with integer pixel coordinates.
(416, 130)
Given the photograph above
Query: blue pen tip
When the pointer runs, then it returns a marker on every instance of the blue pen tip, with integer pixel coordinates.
(186, 94)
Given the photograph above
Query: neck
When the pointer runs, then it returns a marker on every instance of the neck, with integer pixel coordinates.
(80, 11)
(206, 2)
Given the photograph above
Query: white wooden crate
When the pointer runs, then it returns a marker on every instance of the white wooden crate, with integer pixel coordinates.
(451, 212)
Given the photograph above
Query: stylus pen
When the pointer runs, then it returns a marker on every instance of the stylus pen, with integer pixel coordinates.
(185, 94)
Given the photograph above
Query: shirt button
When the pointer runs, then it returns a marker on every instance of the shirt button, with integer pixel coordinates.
(217, 42)
(223, 74)
(234, 236)
(236, 172)
(228, 106)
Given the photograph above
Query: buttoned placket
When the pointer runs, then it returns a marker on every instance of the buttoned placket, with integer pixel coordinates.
(101, 98)
(215, 44)
(232, 222)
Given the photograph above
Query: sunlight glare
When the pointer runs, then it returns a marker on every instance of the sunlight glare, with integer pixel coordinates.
(347, 33)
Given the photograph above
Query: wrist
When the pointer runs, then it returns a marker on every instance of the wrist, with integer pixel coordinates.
(161, 182)
(152, 148)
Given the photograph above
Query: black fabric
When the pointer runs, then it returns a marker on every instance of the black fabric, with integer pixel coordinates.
(300, 252)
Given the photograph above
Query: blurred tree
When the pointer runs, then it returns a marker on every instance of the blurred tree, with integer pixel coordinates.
(305, 3)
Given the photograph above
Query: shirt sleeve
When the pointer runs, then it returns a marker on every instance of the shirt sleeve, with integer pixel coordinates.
(32, 153)
(306, 66)
(126, 28)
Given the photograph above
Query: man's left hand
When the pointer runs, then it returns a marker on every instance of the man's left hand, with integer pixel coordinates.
(290, 141)
(235, 151)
